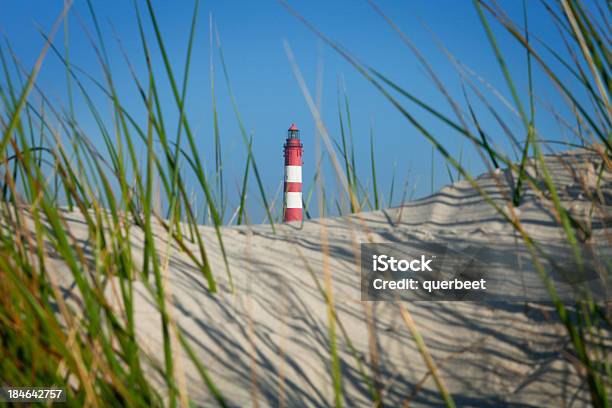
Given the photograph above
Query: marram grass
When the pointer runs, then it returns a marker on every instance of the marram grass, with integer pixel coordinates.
(48, 164)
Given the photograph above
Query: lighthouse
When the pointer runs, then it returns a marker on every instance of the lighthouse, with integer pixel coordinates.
(293, 176)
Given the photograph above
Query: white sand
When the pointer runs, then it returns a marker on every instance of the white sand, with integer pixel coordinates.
(268, 342)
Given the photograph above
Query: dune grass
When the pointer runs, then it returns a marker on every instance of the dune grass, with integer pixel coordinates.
(48, 164)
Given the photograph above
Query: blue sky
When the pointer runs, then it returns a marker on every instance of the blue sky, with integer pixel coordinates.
(268, 96)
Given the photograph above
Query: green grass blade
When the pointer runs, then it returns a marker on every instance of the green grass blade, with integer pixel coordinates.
(374, 184)
(245, 138)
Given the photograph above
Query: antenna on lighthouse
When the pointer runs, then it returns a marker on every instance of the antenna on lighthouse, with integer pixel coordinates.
(293, 175)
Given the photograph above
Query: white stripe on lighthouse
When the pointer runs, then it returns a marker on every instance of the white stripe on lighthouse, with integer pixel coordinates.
(293, 174)
(293, 199)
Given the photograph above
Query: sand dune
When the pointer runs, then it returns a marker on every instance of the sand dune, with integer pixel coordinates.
(268, 342)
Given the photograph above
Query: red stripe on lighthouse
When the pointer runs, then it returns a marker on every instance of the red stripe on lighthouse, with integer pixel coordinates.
(293, 187)
(293, 214)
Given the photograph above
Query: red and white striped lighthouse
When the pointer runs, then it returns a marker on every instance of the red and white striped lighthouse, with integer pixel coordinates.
(293, 175)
